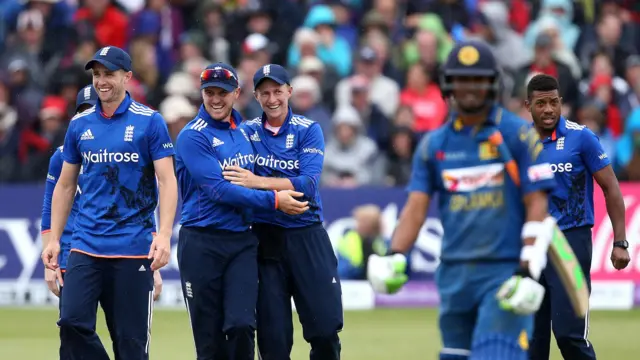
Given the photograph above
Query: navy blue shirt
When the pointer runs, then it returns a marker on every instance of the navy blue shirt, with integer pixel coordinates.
(480, 205)
(119, 187)
(204, 148)
(575, 154)
(55, 168)
(295, 152)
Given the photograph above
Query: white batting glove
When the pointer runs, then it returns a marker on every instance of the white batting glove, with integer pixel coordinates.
(521, 295)
(387, 274)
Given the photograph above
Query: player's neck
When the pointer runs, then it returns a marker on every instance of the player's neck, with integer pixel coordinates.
(109, 108)
(276, 122)
(473, 120)
(544, 133)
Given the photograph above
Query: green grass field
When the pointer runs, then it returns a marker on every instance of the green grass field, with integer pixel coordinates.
(368, 335)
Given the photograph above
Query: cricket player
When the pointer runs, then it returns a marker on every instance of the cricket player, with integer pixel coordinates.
(216, 249)
(85, 99)
(120, 148)
(576, 158)
(295, 256)
(484, 164)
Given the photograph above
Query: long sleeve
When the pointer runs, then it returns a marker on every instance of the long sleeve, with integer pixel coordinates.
(311, 161)
(203, 166)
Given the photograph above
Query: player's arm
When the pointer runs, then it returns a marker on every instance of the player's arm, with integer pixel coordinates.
(162, 151)
(387, 274)
(52, 179)
(536, 180)
(311, 157)
(414, 212)
(198, 157)
(65, 189)
(598, 163)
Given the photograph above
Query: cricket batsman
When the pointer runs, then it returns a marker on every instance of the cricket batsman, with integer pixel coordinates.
(217, 253)
(576, 157)
(484, 165)
(295, 255)
(123, 153)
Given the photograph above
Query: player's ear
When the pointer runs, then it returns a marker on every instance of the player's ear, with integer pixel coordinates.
(127, 76)
(527, 104)
(236, 94)
(255, 95)
(289, 91)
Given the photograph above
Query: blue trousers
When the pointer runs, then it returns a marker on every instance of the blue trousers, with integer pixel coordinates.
(124, 288)
(556, 311)
(298, 263)
(472, 324)
(219, 273)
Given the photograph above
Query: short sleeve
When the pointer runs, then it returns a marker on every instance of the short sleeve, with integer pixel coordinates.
(71, 152)
(593, 154)
(535, 173)
(160, 145)
(421, 178)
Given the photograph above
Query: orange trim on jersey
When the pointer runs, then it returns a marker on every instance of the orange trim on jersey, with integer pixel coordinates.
(45, 231)
(111, 256)
(105, 115)
(554, 135)
(233, 124)
(512, 170)
(276, 193)
(63, 270)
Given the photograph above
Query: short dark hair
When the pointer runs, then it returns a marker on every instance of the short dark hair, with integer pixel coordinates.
(541, 82)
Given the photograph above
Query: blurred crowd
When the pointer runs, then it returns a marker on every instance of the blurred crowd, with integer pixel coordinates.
(366, 70)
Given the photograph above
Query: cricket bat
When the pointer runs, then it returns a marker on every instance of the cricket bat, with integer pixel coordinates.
(568, 268)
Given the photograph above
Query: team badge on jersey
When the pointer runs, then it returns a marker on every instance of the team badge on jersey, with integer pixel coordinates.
(487, 151)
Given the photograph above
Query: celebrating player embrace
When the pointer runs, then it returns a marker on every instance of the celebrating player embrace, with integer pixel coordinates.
(484, 164)
(123, 152)
(295, 256)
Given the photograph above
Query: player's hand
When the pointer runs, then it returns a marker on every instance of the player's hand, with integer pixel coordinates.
(387, 274)
(50, 255)
(521, 295)
(53, 278)
(289, 205)
(160, 251)
(620, 258)
(243, 177)
(157, 285)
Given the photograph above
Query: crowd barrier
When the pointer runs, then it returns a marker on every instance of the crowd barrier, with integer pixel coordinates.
(21, 271)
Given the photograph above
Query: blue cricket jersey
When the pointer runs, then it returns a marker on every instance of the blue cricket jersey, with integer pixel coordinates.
(575, 154)
(203, 149)
(481, 207)
(55, 168)
(119, 188)
(295, 152)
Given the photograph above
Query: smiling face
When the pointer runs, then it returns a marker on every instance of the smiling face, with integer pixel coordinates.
(219, 102)
(274, 98)
(110, 85)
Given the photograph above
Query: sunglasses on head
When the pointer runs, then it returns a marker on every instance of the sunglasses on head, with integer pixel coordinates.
(221, 73)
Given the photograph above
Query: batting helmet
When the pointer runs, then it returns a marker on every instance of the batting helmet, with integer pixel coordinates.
(470, 58)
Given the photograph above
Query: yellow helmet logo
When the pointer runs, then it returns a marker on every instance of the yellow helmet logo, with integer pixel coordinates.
(468, 55)
(523, 340)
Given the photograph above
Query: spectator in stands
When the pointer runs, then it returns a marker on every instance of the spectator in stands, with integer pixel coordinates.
(9, 139)
(423, 95)
(330, 49)
(28, 47)
(591, 115)
(452, 12)
(356, 245)
(544, 62)
(111, 24)
(430, 45)
(212, 23)
(610, 92)
(344, 27)
(397, 167)
(327, 77)
(258, 47)
(350, 156)
(383, 91)
(375, 123)
(632, 76)
(177, 112)
(494, 28)
(628, 150)
(306, 100)
(562, 12)
(39, 141)
(609, 33)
